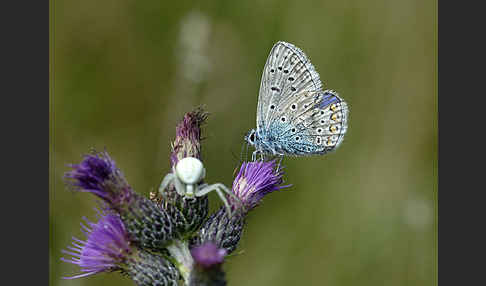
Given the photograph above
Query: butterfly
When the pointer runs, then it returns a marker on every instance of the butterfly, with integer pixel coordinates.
(294, 115)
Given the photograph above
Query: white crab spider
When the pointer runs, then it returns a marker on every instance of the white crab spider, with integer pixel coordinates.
(187, 176)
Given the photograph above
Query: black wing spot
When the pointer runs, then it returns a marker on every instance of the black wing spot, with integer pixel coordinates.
(279, 68)
(291, 79)
(286, 71)
(272, 106)
(275, 88)
(293, 88)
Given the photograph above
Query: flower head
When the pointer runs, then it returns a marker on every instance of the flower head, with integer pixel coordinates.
(254, 181)
(208, 254)
(98, 174)
(188, 136)
(107, 246)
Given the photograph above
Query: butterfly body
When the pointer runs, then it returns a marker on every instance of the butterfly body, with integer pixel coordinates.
(295, 117)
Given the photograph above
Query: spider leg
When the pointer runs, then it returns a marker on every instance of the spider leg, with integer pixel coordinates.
(171, 178)
(165, 182)
(179, 186)
(217, 187)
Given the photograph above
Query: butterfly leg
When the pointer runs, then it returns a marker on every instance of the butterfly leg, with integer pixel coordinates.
(254, 155)
(280, 156)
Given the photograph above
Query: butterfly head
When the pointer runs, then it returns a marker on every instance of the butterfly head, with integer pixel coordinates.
(251, 137)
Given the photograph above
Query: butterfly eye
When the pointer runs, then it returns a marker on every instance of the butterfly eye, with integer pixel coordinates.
(252, 137)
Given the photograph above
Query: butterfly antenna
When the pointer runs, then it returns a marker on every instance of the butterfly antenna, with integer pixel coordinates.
(242, 152)
(233, 154)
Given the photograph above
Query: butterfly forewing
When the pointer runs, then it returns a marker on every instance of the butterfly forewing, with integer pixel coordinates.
(287, 74)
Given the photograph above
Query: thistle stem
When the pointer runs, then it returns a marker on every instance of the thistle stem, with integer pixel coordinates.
(179, 250)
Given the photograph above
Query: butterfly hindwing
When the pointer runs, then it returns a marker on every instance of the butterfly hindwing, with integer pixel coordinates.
(329, 122)
(316, 123)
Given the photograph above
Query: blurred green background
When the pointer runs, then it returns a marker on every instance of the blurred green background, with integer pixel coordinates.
(124, 72)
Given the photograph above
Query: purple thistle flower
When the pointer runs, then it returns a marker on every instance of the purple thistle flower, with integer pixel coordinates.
(208, 254)
(254, 181)
(147, 223)
(188, 136)
(98, 174)
(188, 214)
(107, 246)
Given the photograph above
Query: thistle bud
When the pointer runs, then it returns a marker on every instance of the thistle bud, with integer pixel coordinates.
(207, 269)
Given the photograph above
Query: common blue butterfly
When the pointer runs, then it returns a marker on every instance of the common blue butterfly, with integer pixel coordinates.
(294, 115)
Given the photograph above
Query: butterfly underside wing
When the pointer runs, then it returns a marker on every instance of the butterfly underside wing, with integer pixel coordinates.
(294, 115)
